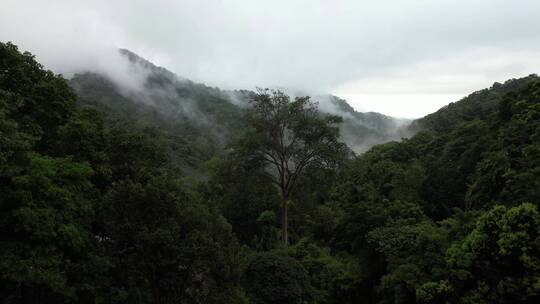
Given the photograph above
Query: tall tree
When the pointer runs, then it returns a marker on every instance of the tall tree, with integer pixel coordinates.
(286, 138)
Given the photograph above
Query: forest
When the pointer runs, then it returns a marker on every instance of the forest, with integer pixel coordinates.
(104, 199)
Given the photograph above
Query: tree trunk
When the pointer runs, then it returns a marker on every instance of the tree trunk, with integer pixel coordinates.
(284, 221)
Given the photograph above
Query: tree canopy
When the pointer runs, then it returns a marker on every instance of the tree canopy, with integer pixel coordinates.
(287, 138)
(107, 199)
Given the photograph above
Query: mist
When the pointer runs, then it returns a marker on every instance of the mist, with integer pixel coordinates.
(402, 58)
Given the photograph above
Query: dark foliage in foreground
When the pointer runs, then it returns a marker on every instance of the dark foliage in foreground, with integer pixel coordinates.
(103, 200)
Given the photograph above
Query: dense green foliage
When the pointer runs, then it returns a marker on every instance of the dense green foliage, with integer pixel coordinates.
(110, 197)
(274, 278)
(286, 139)
(97, 213)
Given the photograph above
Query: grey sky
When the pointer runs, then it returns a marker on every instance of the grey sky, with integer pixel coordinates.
(402, 57)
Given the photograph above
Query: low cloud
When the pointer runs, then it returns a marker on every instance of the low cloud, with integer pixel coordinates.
(386, 50)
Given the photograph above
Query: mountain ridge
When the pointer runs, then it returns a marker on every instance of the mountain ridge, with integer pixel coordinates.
(179, 97)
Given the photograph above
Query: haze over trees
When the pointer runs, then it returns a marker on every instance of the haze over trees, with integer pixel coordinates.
(105, 198)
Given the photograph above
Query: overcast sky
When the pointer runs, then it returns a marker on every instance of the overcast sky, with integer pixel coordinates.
(404, 58)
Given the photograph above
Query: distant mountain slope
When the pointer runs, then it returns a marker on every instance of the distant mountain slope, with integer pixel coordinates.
(476, 106)
(363, 130)
(211, 116)
(474, 153)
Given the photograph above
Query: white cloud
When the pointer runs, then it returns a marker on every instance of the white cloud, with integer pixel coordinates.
(423, 87)
(380, 51)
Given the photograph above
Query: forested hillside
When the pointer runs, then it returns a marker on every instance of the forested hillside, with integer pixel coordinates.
(100, 203)
(206, 115)
(361, 130)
